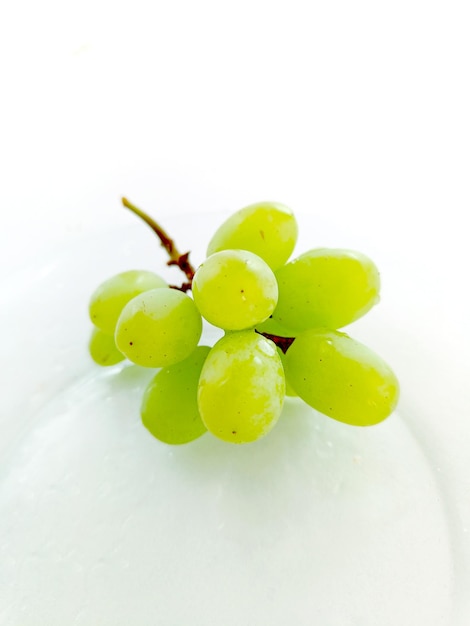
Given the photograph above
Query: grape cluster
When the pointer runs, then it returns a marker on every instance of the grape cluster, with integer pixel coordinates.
(281, 321)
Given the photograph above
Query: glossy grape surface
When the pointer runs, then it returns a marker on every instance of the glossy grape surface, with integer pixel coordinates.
(326, 288)
(158, 328)
(169, 407)
(235, 289)
(108, 300)
(341, 377)
(273, 327)
(268, 229)
(242, 387)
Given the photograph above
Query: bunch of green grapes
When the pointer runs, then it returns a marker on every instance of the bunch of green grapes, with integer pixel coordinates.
(282, 322)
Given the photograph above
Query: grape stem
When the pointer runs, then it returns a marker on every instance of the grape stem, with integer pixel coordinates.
(176, 258)
(283, 343)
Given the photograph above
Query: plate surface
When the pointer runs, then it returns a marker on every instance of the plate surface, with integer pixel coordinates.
(100, 523)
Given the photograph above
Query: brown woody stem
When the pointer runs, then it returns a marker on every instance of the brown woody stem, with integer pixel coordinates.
(176, 258)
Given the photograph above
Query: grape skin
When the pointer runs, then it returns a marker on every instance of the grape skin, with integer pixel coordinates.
(268, 229)
(235, 289)
(158, 328)
(169, 408)
(241, 388)
(326, 288)
(341, 377)
(273, 327)
(109, 298)
(103, 350)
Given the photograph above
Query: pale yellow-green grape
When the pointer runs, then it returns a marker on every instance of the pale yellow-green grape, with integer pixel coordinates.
(108, 300)
(273, 327)
(242, 387)
(103, 348)
(290, 391)
(158, 328)
(235, 289)
(341, 377)
(169, 407)
(268, 229)
(326, 288)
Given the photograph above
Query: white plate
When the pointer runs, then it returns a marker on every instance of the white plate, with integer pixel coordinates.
(317, 523)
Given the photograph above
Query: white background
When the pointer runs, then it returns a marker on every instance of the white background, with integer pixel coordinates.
(353, 112)
(357, 110)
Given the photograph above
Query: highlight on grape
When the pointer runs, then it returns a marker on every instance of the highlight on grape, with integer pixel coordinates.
(282, 322)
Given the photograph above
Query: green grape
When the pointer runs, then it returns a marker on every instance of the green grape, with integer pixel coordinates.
(103, 349)
(158, 328)
(273, 327)
(290, 391)
(235, 289)
(169, 406)
(326, 288)
(108, 300)
(242, 387)
(268, 229)
(341, 377)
